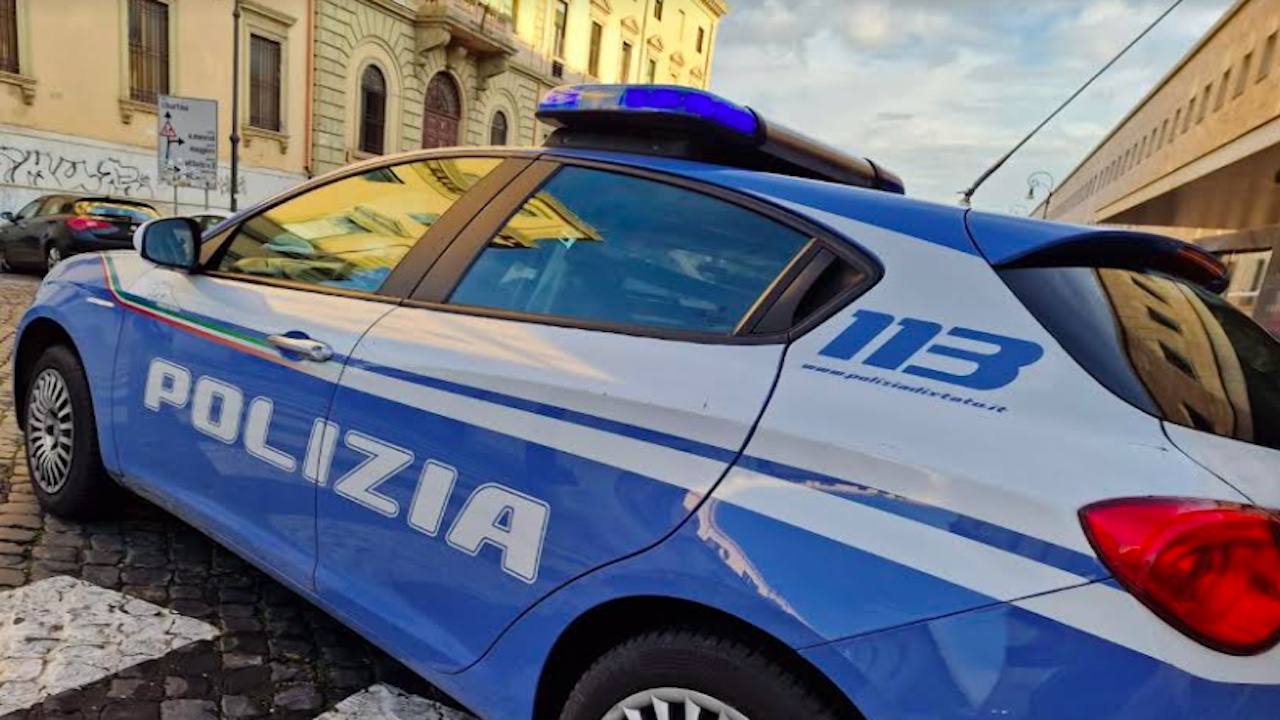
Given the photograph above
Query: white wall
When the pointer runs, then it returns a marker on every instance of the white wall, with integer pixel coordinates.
(34, 163)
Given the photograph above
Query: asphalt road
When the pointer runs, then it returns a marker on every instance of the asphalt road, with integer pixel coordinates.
(140, 617)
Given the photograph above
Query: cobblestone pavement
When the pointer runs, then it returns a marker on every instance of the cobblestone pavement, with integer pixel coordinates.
(274, 655)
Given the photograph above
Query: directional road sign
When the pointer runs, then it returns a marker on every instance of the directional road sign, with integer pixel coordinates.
(187, 142)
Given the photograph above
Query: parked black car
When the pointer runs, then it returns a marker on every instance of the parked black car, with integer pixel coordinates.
(53, 227)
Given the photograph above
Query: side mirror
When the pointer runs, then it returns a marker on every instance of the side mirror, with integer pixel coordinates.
(170, 242)
(8, 217)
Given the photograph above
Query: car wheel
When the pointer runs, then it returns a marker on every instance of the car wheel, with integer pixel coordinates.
(4, 262)
(52, 256)
(689, 675)
(62, 437)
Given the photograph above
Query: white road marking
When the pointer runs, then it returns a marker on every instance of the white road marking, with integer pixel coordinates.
(62, 633)
(383, 702)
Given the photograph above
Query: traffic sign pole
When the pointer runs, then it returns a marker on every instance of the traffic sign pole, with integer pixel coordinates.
(235, 106)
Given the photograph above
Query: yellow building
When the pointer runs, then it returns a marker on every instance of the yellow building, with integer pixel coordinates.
(78, 87)
(1197, 158)
(396, 75)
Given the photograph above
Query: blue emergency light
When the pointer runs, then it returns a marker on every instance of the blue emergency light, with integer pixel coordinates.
(692, 124)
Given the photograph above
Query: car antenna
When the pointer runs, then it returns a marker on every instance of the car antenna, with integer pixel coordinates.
(966, 196)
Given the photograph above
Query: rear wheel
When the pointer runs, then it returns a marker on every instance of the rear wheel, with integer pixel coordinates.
(62, 437)
(687, 675)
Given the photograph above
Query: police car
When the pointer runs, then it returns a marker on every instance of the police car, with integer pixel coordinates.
(685, 415)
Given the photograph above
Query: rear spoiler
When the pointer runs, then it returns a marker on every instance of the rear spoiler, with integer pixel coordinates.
(1009, 242)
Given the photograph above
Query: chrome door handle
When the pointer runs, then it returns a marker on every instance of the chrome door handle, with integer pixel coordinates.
(312, 350)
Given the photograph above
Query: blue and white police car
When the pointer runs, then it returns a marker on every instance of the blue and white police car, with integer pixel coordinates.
(687, 416)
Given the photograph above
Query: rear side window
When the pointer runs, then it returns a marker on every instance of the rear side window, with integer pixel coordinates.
(606, 248)
(1169, 347)
(120, 211)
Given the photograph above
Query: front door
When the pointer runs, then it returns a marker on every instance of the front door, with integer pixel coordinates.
(442, 113)
(20, 244)
(572, 404)
(227, 376)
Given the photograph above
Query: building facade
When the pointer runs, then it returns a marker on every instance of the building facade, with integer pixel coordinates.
(394, 75)
(1199, 158)
(79, 81)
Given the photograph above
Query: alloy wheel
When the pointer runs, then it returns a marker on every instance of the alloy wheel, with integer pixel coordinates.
(54, 256)
(50, 431)
(672, 704)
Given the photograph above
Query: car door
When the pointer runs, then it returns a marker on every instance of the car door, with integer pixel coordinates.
(226, 376)
(19, 238)
(569, 404)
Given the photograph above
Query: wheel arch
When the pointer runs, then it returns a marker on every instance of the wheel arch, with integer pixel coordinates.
(39, 334)
(604, 626)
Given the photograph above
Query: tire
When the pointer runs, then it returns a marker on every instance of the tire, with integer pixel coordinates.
(725, 678)
(62, 438)
(4, 262)
(52, 256)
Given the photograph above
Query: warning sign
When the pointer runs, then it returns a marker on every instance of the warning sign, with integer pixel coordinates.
(187, 142)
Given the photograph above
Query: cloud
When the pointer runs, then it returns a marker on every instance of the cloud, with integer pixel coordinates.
(938, 89)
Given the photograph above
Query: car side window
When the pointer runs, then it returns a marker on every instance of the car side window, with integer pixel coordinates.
(351, 234)
(52, 206)
(610, 248)
(29, 211)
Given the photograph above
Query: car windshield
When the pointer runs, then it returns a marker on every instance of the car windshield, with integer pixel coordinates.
(1165, 345)
(122, 211)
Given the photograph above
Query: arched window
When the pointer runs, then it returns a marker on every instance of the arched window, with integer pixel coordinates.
(373, 111)
(498, 129)
(442, 112)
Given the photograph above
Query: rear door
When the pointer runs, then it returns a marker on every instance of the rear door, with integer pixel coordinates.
(225, 377)
(564, 388)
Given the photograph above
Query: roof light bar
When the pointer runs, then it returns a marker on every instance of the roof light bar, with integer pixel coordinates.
(658, 99)
(693, 124)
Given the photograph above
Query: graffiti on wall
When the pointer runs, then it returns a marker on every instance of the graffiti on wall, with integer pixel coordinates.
(44, 169)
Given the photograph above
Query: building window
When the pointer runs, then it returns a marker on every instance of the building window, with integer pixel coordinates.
(624, 69)
(651, 73)
(264, 83)
(1204, 103)
(1247, 270)
(498, 129)
(702, 38)
(597, 36)
(1268, 57)
(373, 111)
(1222, 90)
(657, 9)
(1191, 111)
(9, 36)
(561, 28)
(1243, 81)
(148, 50)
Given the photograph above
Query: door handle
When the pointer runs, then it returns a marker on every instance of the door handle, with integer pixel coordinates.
(312, 350)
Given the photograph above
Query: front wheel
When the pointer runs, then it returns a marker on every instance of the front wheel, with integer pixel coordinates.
(686, 675)
(52, 256)
(62, 437)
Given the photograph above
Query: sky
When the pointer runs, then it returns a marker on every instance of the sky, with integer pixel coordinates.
(937, 90)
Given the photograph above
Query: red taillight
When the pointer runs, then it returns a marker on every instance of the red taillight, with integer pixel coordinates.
(1211, 569)
(84, 223)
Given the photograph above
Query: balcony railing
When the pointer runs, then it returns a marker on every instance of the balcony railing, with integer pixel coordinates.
(483, 26)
